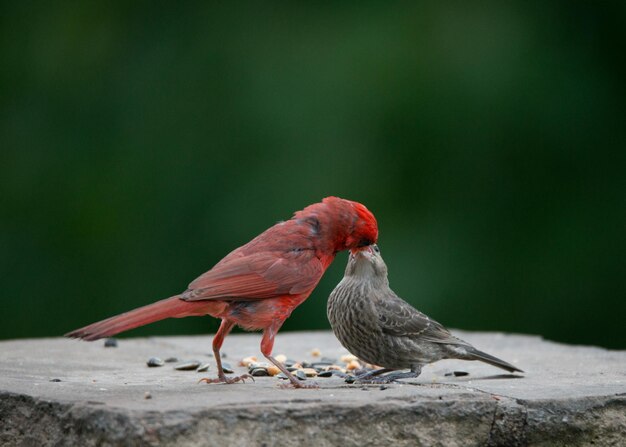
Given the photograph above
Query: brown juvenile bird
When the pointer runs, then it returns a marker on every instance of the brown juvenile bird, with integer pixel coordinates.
(380, 328)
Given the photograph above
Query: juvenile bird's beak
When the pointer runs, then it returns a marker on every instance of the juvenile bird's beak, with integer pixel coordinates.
(357, 250)
(362, 251)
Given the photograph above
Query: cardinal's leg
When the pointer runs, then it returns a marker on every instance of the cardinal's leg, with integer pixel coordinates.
(222, 332)
(267, 344)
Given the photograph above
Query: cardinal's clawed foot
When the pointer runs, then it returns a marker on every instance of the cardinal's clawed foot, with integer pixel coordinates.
(228, 380)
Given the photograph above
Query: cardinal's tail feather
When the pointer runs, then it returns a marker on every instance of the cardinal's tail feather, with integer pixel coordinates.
(172, 307)
(475, 354)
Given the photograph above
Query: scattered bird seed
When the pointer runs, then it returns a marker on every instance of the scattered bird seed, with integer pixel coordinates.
(155, 361)
(321, 365)
(281, 358)
(383, 387)
(281, 376)
(457, 374)
(290, 363)
(273, 370)
(227, 368)
(246, 361)
(353, 365)
(327, 373)
(255, 365)
(350, 379)
(348, 358)
(190, 365)
(310, 372)
(147, 395)
(292, 368)
(204, 367)
(259, 372)
(316, 352)
(110, 343)
(171, 360)
(55, 380)
(300, 374)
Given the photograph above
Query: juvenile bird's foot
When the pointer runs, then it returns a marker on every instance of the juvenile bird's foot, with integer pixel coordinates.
(372, 373)
(227, 380)
(367, 381)
(370, 378)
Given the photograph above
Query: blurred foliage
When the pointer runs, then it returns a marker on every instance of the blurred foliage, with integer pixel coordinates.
(141, 142)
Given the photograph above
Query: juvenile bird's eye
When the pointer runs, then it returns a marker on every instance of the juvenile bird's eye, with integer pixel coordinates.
(376, 249)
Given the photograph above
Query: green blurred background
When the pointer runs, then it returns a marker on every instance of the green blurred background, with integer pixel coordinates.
(141, 142)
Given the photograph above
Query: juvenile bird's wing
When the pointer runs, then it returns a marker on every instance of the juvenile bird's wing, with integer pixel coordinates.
(265, 274)
(398, 318)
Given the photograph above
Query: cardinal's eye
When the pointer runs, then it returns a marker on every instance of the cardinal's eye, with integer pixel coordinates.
(376, 249)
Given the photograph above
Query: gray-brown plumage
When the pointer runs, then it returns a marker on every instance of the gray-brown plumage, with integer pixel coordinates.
(380, 328)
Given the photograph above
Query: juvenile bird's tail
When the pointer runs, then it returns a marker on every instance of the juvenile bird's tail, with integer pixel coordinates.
(172, 307)
(475, 354)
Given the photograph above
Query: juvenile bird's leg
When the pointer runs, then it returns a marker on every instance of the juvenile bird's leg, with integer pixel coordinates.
(267, 344)
(222, 332)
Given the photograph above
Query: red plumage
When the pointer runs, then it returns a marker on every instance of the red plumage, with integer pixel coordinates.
(259, 284)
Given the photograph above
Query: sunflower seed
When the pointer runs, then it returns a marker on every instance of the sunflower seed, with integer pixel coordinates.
(155, 361)
(255, 365)
(204, 367)
(457, 374)
(190, 365)
(259, 372)
(310, 372)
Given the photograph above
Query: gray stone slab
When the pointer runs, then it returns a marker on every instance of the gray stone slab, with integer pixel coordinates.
(569, 395)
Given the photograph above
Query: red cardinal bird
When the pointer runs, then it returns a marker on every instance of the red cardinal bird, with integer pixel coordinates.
(258, 285)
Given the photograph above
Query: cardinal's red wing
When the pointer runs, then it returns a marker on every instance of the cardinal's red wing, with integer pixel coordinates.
(259, 275)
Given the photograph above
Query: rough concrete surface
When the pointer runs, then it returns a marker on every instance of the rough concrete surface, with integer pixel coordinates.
(569, 395)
